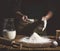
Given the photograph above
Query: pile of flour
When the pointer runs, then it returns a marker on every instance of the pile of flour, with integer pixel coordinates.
(35, 38)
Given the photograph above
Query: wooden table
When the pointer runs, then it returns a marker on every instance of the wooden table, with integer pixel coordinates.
(10, 48)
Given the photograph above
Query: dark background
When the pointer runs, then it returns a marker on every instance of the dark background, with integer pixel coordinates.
(34, 9)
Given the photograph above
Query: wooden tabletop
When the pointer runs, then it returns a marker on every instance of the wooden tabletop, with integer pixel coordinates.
(26, 48)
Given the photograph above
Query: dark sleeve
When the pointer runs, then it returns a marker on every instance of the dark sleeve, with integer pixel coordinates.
(27, 29)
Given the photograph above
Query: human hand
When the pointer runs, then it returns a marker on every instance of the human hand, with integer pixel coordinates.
(25, 18)
(49, 15)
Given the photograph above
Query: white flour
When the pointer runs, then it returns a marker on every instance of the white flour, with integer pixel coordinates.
(35, 38)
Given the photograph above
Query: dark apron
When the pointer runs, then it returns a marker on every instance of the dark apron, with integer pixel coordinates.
(28, 28)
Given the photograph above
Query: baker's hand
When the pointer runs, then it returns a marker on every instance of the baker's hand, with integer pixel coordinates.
(25, 18)
(49, 15)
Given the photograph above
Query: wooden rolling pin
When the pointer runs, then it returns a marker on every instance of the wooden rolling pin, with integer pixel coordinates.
(8, 42)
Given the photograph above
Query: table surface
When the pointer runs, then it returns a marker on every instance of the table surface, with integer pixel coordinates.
(25, 48)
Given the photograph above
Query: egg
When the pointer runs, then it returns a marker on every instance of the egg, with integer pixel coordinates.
(55, 43)
(59, 37)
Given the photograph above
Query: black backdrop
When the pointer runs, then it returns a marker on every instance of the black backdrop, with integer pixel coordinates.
(34, 9)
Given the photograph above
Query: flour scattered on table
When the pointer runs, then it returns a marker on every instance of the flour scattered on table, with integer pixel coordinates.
(35, 38)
